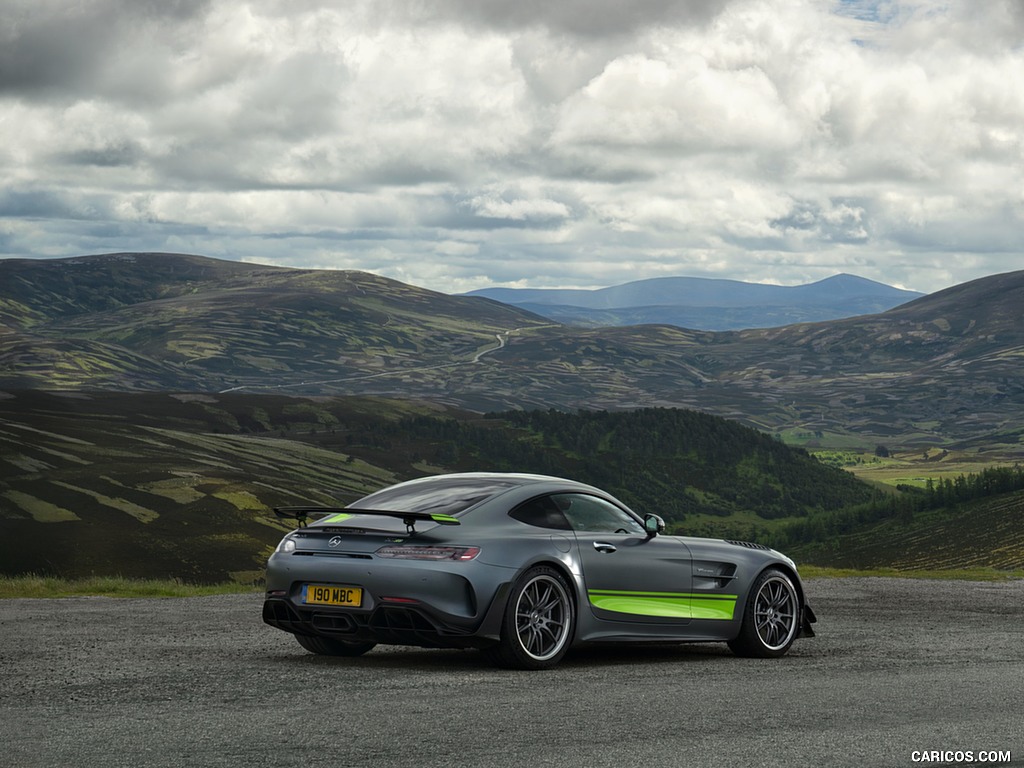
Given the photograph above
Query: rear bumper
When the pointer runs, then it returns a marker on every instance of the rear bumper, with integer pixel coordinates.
(417, 625)
(433, 605)
(397, 625)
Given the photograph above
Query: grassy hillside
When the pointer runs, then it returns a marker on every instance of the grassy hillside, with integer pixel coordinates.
(172, 322)
(180, 485)
(987, 533)
(689, 464)
(159, 486)
(941, 371)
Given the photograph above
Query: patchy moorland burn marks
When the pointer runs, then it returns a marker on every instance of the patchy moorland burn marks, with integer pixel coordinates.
(186, 502)
(898, 377)
(189, 323)
(181, 485)
(941, 370)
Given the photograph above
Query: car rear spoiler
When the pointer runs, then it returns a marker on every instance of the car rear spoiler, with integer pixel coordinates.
(302, 514)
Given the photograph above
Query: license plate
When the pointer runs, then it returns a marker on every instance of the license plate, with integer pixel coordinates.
(325, 594)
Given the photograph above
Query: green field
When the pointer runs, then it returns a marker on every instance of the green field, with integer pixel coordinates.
(914, 468)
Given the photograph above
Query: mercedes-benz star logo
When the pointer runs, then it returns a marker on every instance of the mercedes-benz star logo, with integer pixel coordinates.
(335, 541)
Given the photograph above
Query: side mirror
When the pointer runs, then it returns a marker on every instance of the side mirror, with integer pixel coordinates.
(654, 525)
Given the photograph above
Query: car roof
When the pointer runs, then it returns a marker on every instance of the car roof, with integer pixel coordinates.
(485, 478)
(457, 492)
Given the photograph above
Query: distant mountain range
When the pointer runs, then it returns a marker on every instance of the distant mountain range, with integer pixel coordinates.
(706, 304)
(939, 370)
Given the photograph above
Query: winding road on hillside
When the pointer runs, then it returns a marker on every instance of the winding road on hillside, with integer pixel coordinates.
(502, 340)
(477, 357)
(900, 667)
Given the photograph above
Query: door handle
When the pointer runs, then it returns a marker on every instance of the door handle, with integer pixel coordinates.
(603, 546)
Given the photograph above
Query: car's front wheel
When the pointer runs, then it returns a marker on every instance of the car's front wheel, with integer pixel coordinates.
(538, 624)
(328, 646)
(771, 617)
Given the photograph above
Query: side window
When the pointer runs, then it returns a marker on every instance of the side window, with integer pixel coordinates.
(589, 513)
(542, 513)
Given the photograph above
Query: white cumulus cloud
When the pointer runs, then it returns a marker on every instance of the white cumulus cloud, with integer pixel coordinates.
(461, 143)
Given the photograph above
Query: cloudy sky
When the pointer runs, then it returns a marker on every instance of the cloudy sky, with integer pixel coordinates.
(456, 144)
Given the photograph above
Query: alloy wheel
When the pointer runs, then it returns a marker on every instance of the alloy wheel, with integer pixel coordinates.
(543, 617)
(775, 613)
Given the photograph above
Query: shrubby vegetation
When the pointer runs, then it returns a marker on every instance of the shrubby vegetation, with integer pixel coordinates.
(705, 475)
(675, 462)
(989, 482)
(903, 506)
(179, 486)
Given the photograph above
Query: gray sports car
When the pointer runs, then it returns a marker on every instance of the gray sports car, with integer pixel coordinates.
(522, 567)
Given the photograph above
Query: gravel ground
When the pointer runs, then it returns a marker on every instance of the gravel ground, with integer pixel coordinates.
(899, 666)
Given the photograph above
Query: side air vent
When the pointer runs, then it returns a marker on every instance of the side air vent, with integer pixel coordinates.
(747, 544)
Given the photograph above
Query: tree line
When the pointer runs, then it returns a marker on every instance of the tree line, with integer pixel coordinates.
(941, 494)
(672, 461)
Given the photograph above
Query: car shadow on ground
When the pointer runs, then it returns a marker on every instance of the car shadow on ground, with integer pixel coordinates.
(603, 655)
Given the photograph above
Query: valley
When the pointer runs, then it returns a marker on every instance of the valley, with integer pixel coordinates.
(941, 371)
(154, 407)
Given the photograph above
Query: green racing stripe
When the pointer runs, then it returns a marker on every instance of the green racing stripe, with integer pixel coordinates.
(676, 605)
(338, 518)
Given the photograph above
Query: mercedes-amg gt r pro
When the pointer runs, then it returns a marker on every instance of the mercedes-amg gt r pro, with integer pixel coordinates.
(522, 567)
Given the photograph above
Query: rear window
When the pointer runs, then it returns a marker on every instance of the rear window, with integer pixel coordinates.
(442, 495)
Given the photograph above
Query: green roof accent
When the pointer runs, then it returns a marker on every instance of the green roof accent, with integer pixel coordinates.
(444, 519)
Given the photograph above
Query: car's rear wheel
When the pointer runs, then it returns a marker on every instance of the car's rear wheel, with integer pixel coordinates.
(328, 646)
(771, 617)
(538, 624)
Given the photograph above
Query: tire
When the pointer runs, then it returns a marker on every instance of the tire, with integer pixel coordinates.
(328, 646)
(539, 621)
(771, 617)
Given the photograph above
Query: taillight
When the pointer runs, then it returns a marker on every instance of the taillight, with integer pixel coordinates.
(420, 552)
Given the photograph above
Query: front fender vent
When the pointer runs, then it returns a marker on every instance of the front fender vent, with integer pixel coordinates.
(747, 544)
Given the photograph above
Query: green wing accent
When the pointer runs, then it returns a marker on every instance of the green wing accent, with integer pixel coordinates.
(339, 514)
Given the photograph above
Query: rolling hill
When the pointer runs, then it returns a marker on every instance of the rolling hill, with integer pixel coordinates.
(175, 322)
(706, 304)
(941, 370)
(153, 406)
(180, 485)
(981, 534)
(163, 485)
